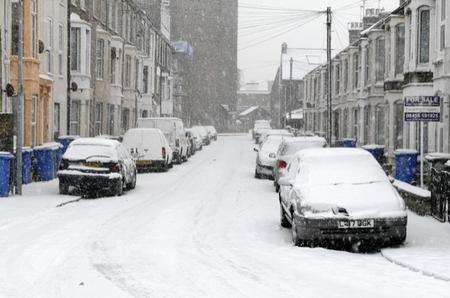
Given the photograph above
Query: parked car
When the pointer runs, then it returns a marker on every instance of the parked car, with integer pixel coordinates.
(259, 127)
(198, 140)
(287, 150)
(266, 157)
(149, 148)
(212, 132)
(173, 129)
(95, 165)
(204, 134)
(340, 195)
(273, 132)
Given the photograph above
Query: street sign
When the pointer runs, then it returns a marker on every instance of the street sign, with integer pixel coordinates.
(422, 108)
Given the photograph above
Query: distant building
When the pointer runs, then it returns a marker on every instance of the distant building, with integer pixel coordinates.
(211, 28)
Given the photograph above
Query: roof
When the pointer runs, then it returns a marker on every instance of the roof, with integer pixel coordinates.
(248, 111)
(95, 141)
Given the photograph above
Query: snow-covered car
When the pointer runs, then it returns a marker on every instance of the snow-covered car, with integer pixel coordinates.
(198, 140)
(259, 127)
(287, 150)
(212, 132)
(340, 195)
(96, 164)
(203, 133)
(149, 148)
(191, 142)
(266, 157)
(273, 132)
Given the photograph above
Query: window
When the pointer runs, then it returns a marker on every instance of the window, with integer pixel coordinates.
(15, 29)
(99, 63)
(424, 35)
(345, 75)
(127, 70)
(380, 62)
(443, 8)
(113, 66)
(338, 77)
(399, 48)
(98, 118)
(34, 28)
(111, 110)
(125, 120)
(367, 68)
(136, 74)
(49, 44)
(34, 113)
(442, 37)
(75, 47)
(145, 80)
(56, 121)
(88, 53)
(75, 112)
(60, 49)
(398, 124)
(355, 123)
(366, 125)
(381, 118)
(356, 70)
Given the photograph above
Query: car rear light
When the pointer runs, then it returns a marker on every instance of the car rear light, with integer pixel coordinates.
(63, 165)
(115, 168)
(282, 164)
(163, 152)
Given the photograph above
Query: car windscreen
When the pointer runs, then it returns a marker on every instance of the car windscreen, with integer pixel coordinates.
(335, 170)
(271, 145)
(87, 151)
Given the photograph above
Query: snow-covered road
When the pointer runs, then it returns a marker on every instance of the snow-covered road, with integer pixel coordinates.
(205, 229)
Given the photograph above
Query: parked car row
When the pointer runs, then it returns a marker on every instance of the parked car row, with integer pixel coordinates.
(331, 195)
(104, 164)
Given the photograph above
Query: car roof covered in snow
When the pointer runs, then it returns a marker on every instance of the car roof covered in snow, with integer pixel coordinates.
(313, 153)
(95, 141)
(305, 139)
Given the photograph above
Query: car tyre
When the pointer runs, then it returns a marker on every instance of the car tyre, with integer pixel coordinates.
(284, 222)
(295, 240)
(118, 188)
(132, 184)
(63, 188)
(257, 175)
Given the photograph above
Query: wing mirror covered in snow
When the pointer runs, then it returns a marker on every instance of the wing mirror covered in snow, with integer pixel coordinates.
(284, 181)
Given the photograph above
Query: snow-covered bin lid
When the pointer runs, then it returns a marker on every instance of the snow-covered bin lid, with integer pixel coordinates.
(348, 139)
(68, 137)
(51, 146)
(417, 191)
(27, 149)
(6, 154)
(373, 147)
(437, 156)
(447, 164)
(405, 152)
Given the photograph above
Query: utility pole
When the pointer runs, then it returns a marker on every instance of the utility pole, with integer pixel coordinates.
(291, 63)
(18, 102)
(329, 106)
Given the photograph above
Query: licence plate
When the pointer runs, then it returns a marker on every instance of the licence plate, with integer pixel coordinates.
(143, 162)
(355, 224)
(92, 164)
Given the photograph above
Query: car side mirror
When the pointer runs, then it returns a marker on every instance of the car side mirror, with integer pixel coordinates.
(284, 181)
(256, 149)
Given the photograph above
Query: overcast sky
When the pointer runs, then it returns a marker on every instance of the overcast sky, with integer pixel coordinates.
(295, 22)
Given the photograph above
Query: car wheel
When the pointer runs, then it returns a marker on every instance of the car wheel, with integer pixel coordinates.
(63, 188)
(295, 240)
(257, 175)
(277, 187)
(283, 219)
(132, 184)
(118, 188)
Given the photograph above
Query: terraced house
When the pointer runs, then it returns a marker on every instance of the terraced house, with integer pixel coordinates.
(393, 55)
(116, 50)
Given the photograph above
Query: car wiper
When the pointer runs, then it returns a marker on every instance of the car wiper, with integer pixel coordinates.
(97, 156)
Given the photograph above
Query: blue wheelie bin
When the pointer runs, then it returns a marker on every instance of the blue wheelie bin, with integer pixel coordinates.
(349, 143)
(5, 168)
(45, 163)
(376, 150)
(405, 165)
(65, 142)
(26, 165)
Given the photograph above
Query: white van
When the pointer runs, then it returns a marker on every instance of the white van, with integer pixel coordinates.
(173, 129)
(149, 148)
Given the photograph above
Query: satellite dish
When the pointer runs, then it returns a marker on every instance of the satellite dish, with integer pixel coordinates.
(74, 87)
(9, 90)
(41, 47)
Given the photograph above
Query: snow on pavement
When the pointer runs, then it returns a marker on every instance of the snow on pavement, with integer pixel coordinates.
(204, 229)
